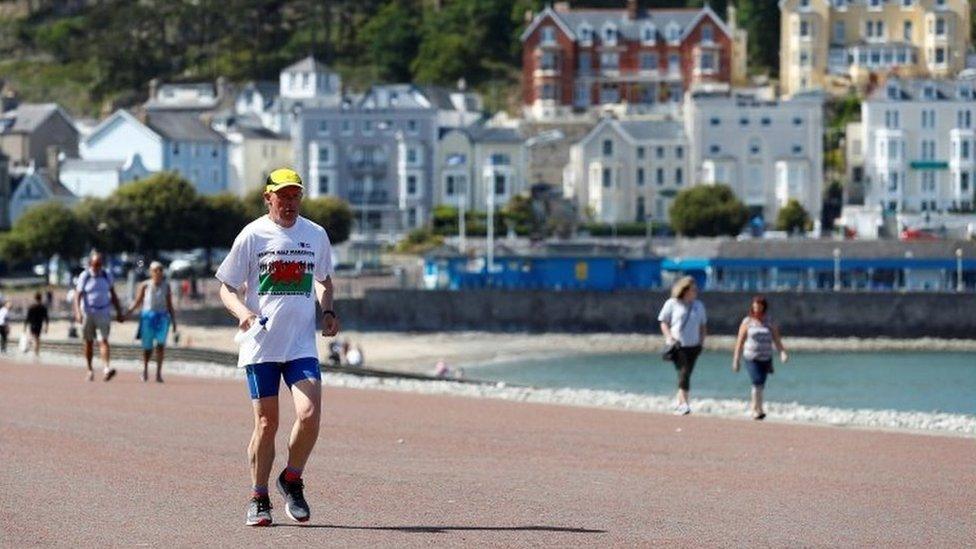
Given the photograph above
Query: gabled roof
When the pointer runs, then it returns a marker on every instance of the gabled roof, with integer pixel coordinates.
(180, 126)
(308, 64)
(637, 131)
(124, 116)
(401, 96)
(54, 189)
(27, 117)
(629, 29)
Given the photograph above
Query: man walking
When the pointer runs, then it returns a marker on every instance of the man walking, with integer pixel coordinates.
(36, 320)
(94, 298)
(278, 266)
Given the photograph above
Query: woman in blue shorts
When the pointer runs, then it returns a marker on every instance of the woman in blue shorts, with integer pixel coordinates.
(155, 299)
(757, 337)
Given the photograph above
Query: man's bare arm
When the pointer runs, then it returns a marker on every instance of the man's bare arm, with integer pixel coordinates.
(232, 301)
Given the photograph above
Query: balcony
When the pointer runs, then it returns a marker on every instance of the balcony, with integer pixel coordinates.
(367, 167)
(359, 198)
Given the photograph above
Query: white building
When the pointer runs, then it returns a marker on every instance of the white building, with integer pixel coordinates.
(920, 145)
(628, 170)
(252, 154)
(304, 84)
(472, 162)
(100, 178)
(769, 151)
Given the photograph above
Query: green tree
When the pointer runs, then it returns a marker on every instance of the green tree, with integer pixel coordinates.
(391, 38)
(792, 218)
(44, 230)
(331, 213)
(161, 212)
(708, 210)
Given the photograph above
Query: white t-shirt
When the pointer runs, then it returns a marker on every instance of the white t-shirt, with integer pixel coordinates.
(674, 311)
(277, 268)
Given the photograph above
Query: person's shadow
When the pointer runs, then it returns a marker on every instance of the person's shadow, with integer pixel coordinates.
(444, 529)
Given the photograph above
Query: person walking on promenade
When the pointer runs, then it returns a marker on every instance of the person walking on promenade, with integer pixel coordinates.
(155, 299)
(758, 334)
(37, 318)
(277, 267)
(4, 325)
(94, 298)
(682, 320)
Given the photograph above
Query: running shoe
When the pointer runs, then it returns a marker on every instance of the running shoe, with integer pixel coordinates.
(682, 410)
(109, 374)
(295, 505)
(259, 512)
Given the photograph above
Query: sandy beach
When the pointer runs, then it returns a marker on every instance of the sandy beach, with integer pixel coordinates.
(419, 352)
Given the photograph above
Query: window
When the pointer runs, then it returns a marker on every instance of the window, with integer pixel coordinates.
(367, 127)
(640, 153)
(678, 176)
(706, 61)
(323, 184)
(743, 121)
(964, 150)
(714, 149)
(907, 31)
(964, 181)
(346, 127)
(797, 149)
(610, 35)
(804, 29)
(325, 155)
(412, 126)
(765, 121)
(648, 61)
(412, 156)
(674, 62)
(679, 152)
(755, 147)
(660, 152)
(610, 60)
(547, 61)
(606, 178)
(804, 4)
(708, 33)
(893, 182)
(548, 36)
(940, 27)
(879, 29)
(412, 217)
(940, 57)
(586, 34)
(548, 91)
(607, 147)
(907, 3)
(585, 62)
(449, 189)
(674, 32)
(176, 149)
(715, 121)
(499, 159)
(640, 177)
(797, 121)
(840, 32)
(411, 185)
(323, 127)
(659, 176)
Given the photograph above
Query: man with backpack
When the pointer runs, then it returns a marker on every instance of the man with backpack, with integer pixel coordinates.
(94, 298)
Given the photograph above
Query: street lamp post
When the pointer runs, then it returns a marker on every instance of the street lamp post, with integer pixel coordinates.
(960, 286)
(836, 269)
(488, 176)
(462, 229)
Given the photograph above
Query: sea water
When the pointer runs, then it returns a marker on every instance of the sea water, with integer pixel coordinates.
(903, 381)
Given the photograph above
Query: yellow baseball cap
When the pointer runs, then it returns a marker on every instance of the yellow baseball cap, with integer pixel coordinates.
(281, 178)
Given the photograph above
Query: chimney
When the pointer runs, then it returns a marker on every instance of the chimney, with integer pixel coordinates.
(631, 9)
(731, 17)
(54, 163)
(153, 88)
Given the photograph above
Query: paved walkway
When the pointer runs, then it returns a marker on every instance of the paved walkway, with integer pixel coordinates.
(132, 464)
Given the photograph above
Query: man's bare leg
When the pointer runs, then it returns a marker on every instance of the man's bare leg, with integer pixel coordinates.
(261, 450)
(307, 395)
(159, 363)
(89, 354)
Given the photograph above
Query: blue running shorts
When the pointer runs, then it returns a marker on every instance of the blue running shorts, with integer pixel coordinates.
(263, 379)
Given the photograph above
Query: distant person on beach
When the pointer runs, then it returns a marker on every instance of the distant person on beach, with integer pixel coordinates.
(94, 299)
(4, 325)
(278, 266)
(355, 358)
(37, 319)
(157, 316)
(757, 336)
(682, 320)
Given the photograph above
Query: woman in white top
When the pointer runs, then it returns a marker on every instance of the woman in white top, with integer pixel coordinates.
(682, 320)
(156, 301)
(757, 337)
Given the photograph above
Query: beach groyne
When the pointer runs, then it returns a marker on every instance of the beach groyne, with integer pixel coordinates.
(827, 314)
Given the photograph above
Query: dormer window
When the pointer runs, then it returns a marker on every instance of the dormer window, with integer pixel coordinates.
(965, 92)
(929, 92)
(548, 35)
(610, 35)
(648, 34)
(673, 32)
(892, 92)
(586, 34)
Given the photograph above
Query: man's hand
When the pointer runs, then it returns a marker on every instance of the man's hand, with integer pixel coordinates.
(330, 325)
(119, 316)
(245, 322)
